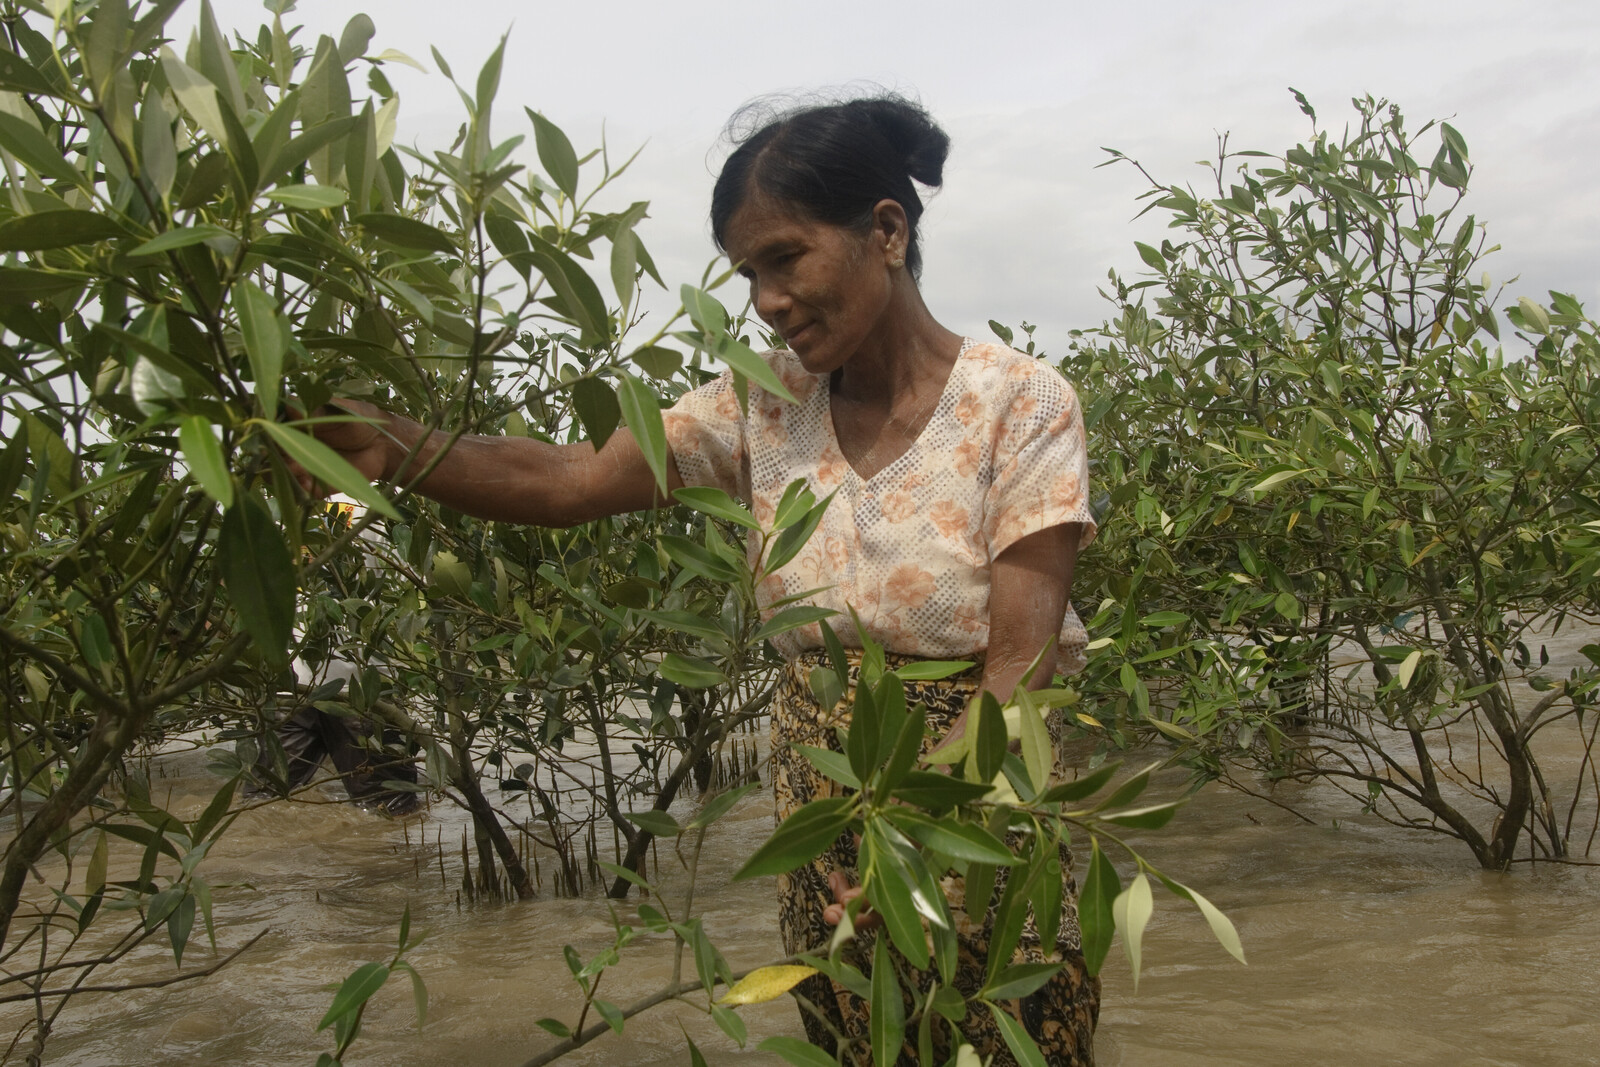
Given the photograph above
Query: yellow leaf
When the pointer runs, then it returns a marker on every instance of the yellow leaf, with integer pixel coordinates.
(1409, 667)
(1089, 720)
(1420, 556)
(766, 983)
(1171, 729)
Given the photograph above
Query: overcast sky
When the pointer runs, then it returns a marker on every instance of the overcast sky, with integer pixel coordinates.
(1026, 226)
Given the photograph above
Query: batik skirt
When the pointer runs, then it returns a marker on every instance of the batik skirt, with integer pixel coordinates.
(1060, 1016)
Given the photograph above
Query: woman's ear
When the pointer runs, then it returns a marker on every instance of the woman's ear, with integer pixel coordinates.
(893, 230)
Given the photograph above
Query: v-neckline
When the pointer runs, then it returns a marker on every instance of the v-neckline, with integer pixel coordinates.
(967, 344)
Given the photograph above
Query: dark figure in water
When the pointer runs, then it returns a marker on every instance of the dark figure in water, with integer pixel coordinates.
(364, 754)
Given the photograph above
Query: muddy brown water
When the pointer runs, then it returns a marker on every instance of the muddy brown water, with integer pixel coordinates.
(1366, 944)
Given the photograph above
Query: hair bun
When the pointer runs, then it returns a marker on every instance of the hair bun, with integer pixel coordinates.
(909, 128)
(833, 162)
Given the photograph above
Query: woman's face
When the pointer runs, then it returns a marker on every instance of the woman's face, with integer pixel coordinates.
(825, 289)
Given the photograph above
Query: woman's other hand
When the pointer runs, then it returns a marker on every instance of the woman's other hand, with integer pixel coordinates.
(843, 894)
(361, 441)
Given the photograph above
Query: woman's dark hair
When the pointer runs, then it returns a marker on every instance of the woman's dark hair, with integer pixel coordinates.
(834, 162)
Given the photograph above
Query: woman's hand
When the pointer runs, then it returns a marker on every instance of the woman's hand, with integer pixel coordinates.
(363, 444)
(843, 894)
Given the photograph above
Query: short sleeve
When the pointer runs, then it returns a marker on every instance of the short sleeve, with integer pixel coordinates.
(1041, 467)
(706, 434)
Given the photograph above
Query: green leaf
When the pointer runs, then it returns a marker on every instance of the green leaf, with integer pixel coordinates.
(790, 619)
(419, 991)
(1016, 1037)
(1038, 755)
(704, 310)
(327, 466)
(730, 1023)
(610, 1013)
(324, 99)
(893, 888)
(204, 455)
(34, 150)
(180, 924)
(744, 360)
(933, 670)
(788, 544)
(642, 412)
(554, 1026)
(555, 153)
(796, 1052)
(489, 78)
(1152, 257)
(887, 1020)
(631, 877)
(990, 740)
(1221, 926)
(1132, 910)
(658, 361)
(259, 576)
(691, 671)
(197, 95)
(906, 744)
(182, 237)
(355, 991)
(1095, 919)
(157, 151)
(940, 792)
(577, 296)
(311, 197)
(958, 840)
(19, 76)
(406, 232)
(1088, 785)
(1276, 479)
(834, 765)
(797, 499)
(56, 229)
(266, 340)
(1129, 789)
(659, 823)
(597, 409)
(94, 879)
(801, 838)
(709, 500)
(1153, 817)
(720, 805)
(1020, 979)
(355, 38)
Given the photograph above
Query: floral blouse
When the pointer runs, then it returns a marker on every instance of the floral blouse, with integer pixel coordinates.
(1002, 456)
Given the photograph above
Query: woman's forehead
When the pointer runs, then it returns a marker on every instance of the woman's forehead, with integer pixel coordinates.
(763, 220)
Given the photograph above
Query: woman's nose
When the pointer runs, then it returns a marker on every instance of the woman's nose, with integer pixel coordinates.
(769, 299)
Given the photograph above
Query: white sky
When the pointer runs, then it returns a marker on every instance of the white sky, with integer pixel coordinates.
(1025, 226)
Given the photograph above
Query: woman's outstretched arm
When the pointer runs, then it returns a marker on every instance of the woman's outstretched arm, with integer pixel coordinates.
(504, 479)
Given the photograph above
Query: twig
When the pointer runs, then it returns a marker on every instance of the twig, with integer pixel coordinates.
(154, 984)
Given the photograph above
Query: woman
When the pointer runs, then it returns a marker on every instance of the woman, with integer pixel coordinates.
(958, 471)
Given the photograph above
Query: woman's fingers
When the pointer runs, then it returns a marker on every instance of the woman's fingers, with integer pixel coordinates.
(843, 894)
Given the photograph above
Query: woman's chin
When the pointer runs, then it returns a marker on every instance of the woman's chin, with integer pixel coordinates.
(816, 359)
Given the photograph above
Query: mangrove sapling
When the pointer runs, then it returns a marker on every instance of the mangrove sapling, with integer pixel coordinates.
(193, 240)
(1345, 509)
(912, 823)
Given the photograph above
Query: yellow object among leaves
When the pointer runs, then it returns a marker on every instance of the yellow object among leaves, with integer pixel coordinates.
(766, 983)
